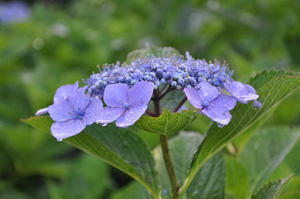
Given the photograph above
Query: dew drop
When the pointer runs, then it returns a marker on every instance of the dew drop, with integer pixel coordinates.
(59, 139)
(105, 124)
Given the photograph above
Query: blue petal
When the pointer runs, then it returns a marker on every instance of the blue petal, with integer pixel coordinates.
(41, 111)
(243, 92)
(64, 92)
(224, 102)
(79, 100)
(207, 92)
(131, 116)
(218, 109)
(116, 95)
(201, 95)
(192, 95)
(93, 111)
(62, 130)
(141, 93)
(109, 115)
(61, 111)
(217, 114)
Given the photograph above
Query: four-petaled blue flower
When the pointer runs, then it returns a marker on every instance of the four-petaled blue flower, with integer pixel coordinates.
(211, 102)
(72, 111)
(124, 104)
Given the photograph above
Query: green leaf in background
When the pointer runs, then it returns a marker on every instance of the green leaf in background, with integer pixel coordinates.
(118, 147)
(271, 190)
(293, 159)
(23, 158)
(265, 151)
(237, 179)
(167, 122)
(273, 87)
(88, 178)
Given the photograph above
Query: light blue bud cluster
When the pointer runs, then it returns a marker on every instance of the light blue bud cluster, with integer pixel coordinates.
(176, 71)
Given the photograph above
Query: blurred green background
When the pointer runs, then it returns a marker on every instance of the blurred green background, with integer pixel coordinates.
(53, 43)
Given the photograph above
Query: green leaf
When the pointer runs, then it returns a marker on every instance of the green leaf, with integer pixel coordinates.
(131, 191)
(150, 51)
(237, 179)
(167, 122)
(293, 159)
(273, 87)
(271, 190)
(209, 183)
(291, 189)
(117, 146)
(265, 151)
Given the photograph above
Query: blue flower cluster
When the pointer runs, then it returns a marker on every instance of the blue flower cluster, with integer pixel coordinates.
(176, 71)
(121, 93)
(15, 11)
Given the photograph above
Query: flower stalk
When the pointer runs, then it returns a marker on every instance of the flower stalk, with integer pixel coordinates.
(165, 149)
(169, 164)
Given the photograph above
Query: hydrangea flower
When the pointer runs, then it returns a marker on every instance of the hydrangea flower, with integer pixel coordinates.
(72, 111)
(15, 11)
(124, 104)
(211, 102)
(126, 89)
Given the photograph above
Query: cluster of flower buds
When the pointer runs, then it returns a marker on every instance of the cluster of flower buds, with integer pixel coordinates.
(126, 90)
(176, 71)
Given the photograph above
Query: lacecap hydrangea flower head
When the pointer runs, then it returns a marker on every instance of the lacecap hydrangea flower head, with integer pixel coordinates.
(121, 93)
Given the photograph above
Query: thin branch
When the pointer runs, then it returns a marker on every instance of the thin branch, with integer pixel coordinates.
(180, 104)
(163, 89)
(150, 113)
(157, 108)
(167, 91)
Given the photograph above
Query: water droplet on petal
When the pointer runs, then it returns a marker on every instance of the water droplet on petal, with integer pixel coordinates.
(59, 139)
(105, 124)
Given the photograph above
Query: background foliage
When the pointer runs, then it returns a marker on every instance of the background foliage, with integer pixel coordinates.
(62, 42)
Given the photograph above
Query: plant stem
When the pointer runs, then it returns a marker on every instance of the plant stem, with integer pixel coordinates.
(180, 104)
(157, 109)
(169, 165)
(161, 95)
(165, 149)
